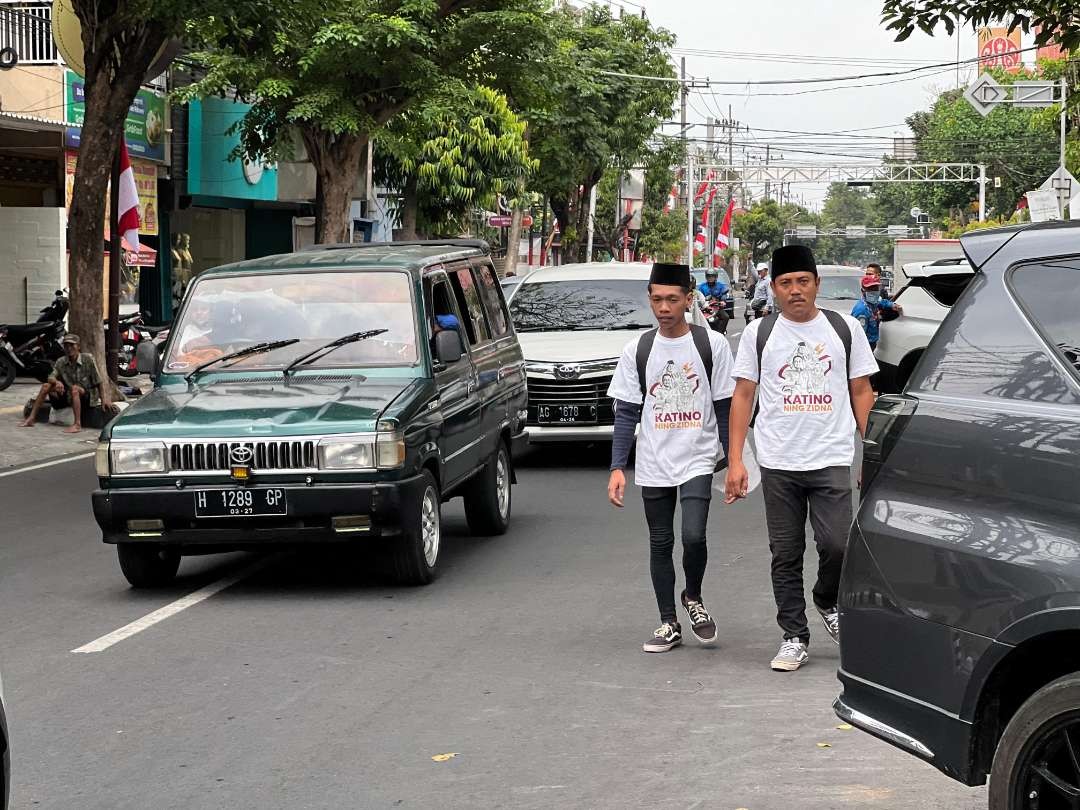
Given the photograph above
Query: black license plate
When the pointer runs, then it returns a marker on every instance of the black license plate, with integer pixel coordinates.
(240, 502)
(580, 414)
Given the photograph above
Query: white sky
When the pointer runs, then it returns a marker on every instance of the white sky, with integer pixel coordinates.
(837, 29)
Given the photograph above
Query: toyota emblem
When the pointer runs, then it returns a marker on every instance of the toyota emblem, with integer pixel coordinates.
(241, 456)
(567, 372)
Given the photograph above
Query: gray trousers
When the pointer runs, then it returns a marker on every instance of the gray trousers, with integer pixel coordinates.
(826, 493)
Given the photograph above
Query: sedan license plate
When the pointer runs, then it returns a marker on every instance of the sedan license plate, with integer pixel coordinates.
(583, 414)
(213, 503)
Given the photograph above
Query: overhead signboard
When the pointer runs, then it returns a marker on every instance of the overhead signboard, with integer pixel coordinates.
(805, 232)
(1000, 48)
(898, 230)
(144, 128)
(856, 230)
(1033, 94)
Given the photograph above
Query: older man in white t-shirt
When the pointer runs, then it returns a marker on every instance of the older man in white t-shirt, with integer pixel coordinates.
(811, 371)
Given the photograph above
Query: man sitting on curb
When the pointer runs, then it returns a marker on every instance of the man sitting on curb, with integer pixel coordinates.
(74, 382)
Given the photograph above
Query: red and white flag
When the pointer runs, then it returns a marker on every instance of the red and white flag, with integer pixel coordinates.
(699, 242)
(129, 201)
(704, 185)
(723, 236)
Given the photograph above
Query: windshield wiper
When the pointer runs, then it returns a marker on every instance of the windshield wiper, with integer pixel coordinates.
(621, 326)
(255, 348)
(326, 348)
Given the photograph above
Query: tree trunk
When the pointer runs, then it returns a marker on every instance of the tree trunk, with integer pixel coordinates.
(107, 103)
(337, 161)
(512, 239)
(410, 207)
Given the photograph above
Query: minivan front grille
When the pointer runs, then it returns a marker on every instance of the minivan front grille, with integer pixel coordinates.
(561, 392)
(291, 455)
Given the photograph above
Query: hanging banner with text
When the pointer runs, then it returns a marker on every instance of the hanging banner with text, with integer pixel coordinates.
(144, 128)
(998, 47)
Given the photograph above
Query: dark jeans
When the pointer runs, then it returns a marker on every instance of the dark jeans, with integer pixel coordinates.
(827, 493)
(694, 496)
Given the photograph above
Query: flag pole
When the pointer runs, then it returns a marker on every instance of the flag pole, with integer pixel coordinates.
(112, 335)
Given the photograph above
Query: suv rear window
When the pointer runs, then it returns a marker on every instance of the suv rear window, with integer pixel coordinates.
(945, 288)
(1048, 291)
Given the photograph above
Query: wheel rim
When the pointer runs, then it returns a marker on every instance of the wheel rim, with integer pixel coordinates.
(1049, 773)
(429, 526)
(502, 484)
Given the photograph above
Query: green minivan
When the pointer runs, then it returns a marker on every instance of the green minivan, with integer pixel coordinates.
(339, 394)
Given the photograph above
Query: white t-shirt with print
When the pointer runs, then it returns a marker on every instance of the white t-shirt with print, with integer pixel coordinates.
(678, 438)
(805, 421)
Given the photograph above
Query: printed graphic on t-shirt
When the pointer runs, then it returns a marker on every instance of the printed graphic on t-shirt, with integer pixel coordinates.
(804, 387)
(674, 396)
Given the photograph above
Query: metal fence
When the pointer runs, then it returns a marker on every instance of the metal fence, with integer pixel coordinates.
(26, 28)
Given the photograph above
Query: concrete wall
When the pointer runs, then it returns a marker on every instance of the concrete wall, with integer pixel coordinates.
(33, 89)
(33, 263)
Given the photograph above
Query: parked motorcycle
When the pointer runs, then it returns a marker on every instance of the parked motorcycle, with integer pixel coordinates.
(133, 331)
(32, 348)
(716, 314)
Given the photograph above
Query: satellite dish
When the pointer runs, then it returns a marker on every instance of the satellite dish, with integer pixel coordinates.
(67, 32)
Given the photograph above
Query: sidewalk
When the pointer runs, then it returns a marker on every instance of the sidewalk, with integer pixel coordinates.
(19, 446)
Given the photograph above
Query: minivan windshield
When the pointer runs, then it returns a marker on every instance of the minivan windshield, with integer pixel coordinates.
(225, 314)
(560, 306)
(840, 288)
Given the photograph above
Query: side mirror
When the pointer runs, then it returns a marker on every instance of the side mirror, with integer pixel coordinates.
(147, 358)
(448, 349)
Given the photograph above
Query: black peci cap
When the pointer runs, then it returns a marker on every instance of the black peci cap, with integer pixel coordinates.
(793, 259)
(676, 275)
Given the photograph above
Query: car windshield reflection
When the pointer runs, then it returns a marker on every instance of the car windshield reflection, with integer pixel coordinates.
(558, 306)
(840, 288)
(225, 314)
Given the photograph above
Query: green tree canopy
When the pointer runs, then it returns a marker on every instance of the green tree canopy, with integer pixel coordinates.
(1056, 19)
(337, 70)
(595, 120)
(450, 155)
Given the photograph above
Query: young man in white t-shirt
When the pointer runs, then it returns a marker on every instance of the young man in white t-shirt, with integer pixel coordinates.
(813, 393)
(663, 384)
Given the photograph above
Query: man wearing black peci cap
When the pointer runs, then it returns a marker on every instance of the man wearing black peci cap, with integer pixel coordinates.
(675, 383)
(811, 370)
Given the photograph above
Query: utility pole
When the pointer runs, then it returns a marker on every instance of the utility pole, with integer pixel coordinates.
(767, 166)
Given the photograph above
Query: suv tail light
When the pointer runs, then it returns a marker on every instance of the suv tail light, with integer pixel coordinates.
(886, 422)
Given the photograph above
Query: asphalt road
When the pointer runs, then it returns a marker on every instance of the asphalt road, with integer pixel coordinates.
(310, 684)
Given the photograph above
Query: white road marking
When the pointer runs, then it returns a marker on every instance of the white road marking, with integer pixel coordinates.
(44, 464)
(161, 614)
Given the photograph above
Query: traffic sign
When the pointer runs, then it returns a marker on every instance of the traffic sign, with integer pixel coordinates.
(1061, 182)
(985, 93)
(499, 221)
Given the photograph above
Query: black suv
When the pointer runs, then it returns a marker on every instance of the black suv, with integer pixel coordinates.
(960, 598)
(334, 395)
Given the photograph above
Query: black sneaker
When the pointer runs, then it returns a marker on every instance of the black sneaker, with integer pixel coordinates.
(664, 637)
(701, 623)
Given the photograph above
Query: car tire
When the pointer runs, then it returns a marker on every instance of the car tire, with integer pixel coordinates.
(488, 497)
(7, 372)
(415, 557)
(1029, 737)
(147, 566)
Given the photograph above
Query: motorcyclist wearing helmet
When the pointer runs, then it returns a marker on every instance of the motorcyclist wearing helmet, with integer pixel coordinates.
(868, 310)
(713, 291)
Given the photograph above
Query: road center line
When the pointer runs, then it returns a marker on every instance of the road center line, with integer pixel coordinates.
(44, 464)
(163, 613)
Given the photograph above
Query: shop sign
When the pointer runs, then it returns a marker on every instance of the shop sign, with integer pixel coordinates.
(144, 129)
(145, 183)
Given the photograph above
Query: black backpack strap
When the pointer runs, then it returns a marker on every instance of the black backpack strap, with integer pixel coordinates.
(704, 350)
(768, 323)
(840, 326)
(644, 349)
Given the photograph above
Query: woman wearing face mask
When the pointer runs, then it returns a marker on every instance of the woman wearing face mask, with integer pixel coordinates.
(868, 310)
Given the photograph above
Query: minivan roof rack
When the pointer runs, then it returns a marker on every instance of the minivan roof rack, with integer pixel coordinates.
(479, 244)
